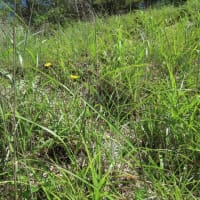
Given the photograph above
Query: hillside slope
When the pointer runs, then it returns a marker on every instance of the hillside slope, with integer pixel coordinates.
(102, 110)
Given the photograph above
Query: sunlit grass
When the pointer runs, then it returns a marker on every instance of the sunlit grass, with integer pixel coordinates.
(104, 110)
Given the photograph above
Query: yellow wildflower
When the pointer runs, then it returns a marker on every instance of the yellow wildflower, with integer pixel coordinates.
(74, 77)
(48, 64)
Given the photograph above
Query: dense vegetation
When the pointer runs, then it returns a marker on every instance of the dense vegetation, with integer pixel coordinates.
(104, 109)
(36, 12)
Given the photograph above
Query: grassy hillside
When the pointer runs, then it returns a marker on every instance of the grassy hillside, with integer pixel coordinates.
(108, 109)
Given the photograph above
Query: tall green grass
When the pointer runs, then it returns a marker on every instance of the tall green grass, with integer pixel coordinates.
(127, 128)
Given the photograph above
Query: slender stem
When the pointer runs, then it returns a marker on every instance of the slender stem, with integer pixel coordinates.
(14, 131)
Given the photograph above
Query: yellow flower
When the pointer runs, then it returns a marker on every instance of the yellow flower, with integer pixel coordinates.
(48, 64)
(74, 77)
